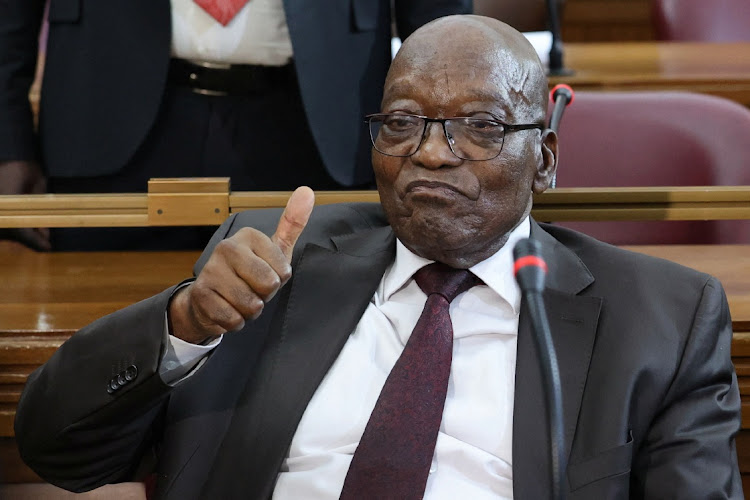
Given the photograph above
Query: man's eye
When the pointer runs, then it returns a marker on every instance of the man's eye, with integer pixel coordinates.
(483, 125)
(400, 122)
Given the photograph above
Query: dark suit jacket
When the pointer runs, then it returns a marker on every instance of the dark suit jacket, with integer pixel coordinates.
(651, 402)
(107, 63)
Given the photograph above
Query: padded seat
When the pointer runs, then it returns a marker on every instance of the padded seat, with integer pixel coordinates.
(618, 139)
(701, 20)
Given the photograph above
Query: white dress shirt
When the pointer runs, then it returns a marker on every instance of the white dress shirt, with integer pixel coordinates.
(258, 34)
(473, 454)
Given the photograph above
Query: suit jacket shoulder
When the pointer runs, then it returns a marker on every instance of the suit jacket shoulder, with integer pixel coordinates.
(326, 222)
(606, 262)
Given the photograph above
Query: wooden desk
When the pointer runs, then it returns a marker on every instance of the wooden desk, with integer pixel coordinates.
(45, 297)
(55, 294)
(721, 69)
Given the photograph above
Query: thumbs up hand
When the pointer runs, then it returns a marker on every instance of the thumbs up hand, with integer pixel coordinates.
(242, 274)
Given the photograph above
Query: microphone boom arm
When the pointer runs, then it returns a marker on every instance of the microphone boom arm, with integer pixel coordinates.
(530, 271)
(552, 388)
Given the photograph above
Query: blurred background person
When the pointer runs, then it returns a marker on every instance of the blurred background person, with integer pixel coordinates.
(267, 92)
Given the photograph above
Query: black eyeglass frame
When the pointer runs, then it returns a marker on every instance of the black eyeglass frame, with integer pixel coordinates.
(506, 128)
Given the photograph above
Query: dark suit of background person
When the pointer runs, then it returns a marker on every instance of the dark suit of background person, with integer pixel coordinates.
(109, 120)
(643, 347)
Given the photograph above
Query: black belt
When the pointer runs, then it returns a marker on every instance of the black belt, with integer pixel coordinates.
(228, 79)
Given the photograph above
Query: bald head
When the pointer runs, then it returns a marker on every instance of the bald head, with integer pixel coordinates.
(472, 45)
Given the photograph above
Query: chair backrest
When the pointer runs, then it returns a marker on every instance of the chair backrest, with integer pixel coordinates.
(523, 15)
(618, 139)
(701, 20)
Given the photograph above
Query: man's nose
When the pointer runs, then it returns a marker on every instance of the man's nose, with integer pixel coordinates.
(434, 151)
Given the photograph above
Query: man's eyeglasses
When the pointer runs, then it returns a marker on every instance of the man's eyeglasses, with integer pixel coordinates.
(469, 138)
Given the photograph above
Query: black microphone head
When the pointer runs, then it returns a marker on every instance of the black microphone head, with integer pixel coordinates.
(562, 91)
(529, 267)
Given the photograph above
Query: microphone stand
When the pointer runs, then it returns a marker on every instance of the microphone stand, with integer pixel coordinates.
(562, 96)
(530, 272)
(552, 387)
(556, 56)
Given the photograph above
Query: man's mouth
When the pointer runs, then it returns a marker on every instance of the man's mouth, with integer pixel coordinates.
(434, 188)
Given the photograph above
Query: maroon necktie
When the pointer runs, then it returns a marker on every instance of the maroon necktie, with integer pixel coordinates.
(222, 10)
(394, 455)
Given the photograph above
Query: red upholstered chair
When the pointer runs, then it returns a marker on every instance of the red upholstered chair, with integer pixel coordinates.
(701, 20)
(618, 139)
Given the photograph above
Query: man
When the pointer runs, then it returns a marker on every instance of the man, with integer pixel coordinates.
(320, 312)
(271, 96)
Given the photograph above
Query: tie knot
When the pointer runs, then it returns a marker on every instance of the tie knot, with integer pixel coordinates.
(445, 280)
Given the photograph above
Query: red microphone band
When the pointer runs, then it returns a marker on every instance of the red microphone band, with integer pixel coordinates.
(529, 260)
(562, 86)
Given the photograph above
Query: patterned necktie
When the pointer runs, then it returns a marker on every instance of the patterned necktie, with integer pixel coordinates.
(222, 10)
(394, 455)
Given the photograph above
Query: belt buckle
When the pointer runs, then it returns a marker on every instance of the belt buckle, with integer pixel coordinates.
(208, 65)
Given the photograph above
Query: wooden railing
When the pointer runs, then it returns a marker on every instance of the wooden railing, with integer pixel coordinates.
(176, 202)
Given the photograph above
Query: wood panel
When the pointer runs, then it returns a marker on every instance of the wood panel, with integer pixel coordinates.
(607, 21)
(196, 208)
(720, 69)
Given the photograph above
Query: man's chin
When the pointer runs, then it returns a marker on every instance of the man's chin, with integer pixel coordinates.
(430, 237)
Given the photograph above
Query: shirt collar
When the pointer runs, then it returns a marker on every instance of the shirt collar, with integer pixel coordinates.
(496, 271)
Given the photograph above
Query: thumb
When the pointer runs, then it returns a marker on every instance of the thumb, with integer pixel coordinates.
(294, 219)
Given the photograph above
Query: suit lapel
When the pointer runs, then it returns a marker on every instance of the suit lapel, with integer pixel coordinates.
(573, 322)
(329, 292)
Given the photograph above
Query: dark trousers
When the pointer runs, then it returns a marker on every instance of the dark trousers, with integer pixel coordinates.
(262, 142)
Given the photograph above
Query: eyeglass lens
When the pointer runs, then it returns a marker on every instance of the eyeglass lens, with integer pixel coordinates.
(468, 138)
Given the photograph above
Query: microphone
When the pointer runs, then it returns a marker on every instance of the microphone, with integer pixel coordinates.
(562, 96)
(528, 267)
(556, 63)
(530, 271)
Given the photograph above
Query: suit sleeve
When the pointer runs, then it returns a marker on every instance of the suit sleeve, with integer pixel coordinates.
(89, 415)
(689, 451)
(20, 23)
(411, 14)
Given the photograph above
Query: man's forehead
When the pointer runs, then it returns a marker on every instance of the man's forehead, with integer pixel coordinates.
(495, 79)
(472, 59)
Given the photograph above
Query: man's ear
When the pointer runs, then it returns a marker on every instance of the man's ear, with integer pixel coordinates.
(548, 166)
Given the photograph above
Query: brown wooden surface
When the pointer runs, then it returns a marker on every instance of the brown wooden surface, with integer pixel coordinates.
(60, 292)
(721, 69)
(45, 297)
(183, 206)
(607, 20)
(56, 293)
